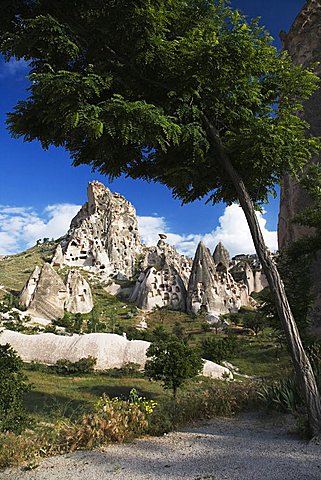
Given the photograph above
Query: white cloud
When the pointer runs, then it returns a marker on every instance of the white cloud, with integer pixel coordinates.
(21, 227)
(232, 231)
(150, 227)
(13, 68)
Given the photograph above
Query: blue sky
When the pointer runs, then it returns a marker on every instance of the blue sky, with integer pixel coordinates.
(40, 191)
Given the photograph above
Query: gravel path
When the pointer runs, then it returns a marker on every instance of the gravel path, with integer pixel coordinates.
(242, 448)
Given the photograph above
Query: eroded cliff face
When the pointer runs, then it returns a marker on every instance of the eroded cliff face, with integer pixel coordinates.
(163, 279)
(303, 42)
(211, 290)
(47, 296)
(103, 236)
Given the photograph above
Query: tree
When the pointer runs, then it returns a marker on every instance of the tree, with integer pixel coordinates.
(13, 387)
(185, 92)
(172, 362)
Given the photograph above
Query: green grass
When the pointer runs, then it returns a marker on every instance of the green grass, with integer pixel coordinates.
(16, 269)
(54, 396)
(262, 357)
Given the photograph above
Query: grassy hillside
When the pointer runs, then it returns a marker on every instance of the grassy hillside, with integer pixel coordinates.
(15, 269)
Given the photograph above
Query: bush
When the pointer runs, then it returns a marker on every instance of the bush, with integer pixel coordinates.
(13, 387)
(219, 349)
(113, 420)
(16, 449)
(172, 362)
(204, 398)
(285, 395)
(66, 367)
(128, 370)
(10, 301)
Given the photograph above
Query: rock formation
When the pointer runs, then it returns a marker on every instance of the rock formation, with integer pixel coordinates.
(58, 258)
(247, 269)
(47, 296)
(103, 236)
(79, 299)
(213, 291)
(303, 42)
(162, 288)
(165, 254)
(164, 278)
(29, 289)
(221, 258)
(110, 350)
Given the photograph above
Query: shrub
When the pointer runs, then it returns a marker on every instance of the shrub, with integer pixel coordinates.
(219, 349)
(113, 420)
(10, 301)
(204, 398)
(283, 395)
(13, 387)
(16, 449)
(66, 367)
(172, 362)
(127, 370)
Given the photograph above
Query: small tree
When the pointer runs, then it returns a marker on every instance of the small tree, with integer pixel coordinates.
(172, 362)
(255, 321)
(13, 387)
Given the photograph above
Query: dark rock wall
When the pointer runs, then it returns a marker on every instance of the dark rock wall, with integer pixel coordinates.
(303, 42)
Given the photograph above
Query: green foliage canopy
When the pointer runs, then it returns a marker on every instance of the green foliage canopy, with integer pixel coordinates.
(13, 386)
(125, 86)
(172, 362)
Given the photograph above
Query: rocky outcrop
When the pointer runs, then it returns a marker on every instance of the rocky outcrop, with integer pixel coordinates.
(303, 42)
(164, 278)
(79, 299)
(165, 254)
(58, 258)
(160, 288)
(213, 291)
(103, 236)
(28, 290)
(49, 295)
(221, 258)
(248, 270)
(110, 350)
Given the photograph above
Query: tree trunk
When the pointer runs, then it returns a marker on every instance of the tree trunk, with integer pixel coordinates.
(300, 360)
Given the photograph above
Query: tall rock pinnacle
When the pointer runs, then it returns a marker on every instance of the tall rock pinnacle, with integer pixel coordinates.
(210, 290)
(221, 258)
(104, 234)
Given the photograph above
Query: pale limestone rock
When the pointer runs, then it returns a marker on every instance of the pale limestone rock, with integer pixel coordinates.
(166, 255)
(28, 290)
(49, 295)
(164, 278)
(110, 350)
(79, 299)
(303, 42)
(213, 370)
(58, 258)
(212, 291)
(221, 258)
(255, 280)
(247, 269)
(103, 236)
(162, 288)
